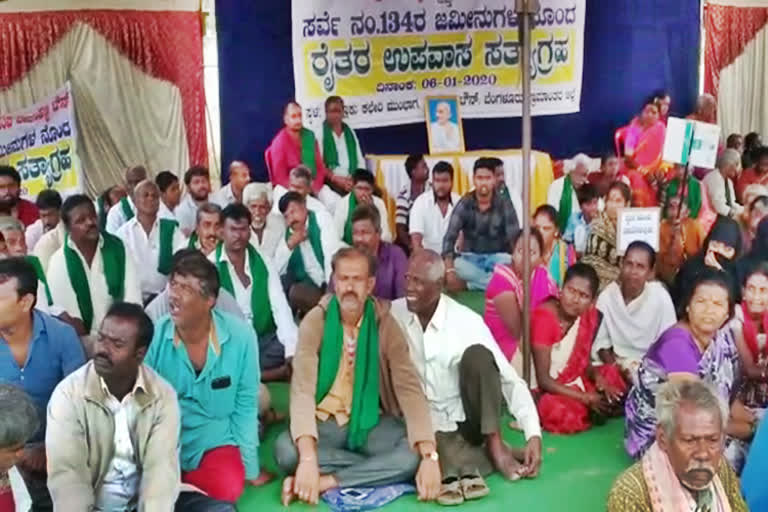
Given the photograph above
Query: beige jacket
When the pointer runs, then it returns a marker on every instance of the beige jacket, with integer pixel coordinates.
(400, 390)
(80, 434)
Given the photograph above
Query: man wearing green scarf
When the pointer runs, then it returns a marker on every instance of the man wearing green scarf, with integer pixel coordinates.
(207, 232)
(339, 146)
(362, 193)
(150, 240)
(353, 385)
(125, 209)
(250, 277)
(562, 191)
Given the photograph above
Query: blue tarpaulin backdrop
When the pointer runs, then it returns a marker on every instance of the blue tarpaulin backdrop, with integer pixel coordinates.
(632, 47)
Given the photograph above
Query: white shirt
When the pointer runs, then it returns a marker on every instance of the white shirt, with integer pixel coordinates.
(287, 332)
(313, 203)
(145, 251)
(186, 214)
(165, 213)
(330, 241)
(48, 244)
(427, 220)
(270, 237)
(224, 196)
(120, 487)
(437, 352)
(64, 295)
(555, 192)
(33, 233)
(116, 217)
(341, 150)
(342, 210)
(715, 184)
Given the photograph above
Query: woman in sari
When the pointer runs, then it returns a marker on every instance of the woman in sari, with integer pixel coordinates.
(556, 254)
(571, 392)
(680, 236)
(601, 251)
(696, 347)
(504, 295)
(643, 147)
(755, 175)
(755, 210)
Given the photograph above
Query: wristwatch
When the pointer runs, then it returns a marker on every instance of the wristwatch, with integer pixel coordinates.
(433, 456)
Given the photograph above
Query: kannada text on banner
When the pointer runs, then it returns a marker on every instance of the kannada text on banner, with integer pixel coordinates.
(383, 58)
(39, 142)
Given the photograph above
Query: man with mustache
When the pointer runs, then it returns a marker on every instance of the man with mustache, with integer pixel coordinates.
(684, 470)
(267, 227)
(48, 202)
(198, 183)
(431, 213)
(353, 379)
(467, 380)
(36, 352)
(11, 202)
(207, 232)
(91, 270)
(125, 210)
(488, 222)
(300, 180)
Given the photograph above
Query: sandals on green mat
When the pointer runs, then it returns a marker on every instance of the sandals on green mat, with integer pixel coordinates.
(450, 493)
(473, 487)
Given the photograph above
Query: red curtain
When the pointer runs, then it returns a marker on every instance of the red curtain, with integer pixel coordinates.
(164, 44)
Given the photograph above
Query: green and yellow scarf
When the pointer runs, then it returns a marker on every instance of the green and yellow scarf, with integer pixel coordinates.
(113, 257)
(193, 239)
(128, 212)
(165, 254)
(308, 155)
(365, 395)
(348, 224)
(692, 193)
(262, 320)
(296, 266)
(566, 204)
(330, 153)
(35, 262)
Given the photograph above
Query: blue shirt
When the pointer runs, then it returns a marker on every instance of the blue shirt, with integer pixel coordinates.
(577, 232)
(54, 352)
(219, 406)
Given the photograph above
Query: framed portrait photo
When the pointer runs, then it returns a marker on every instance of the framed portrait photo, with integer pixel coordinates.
(444, 129)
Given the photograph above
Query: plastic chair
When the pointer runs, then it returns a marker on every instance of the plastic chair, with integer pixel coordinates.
(270, 166)
(618, 140)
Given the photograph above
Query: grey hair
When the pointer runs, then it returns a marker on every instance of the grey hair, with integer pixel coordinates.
(301, 172)
(256, 190)
(19, 419)
(729, 157)
(703, 100)
(582, 159)
(435, 264)
(207, 208)
(143, 183)
(700, 394)
(8, 223)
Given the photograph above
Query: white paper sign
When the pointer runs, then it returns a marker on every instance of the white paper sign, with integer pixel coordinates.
(635, 224)
(706, 139)
(691, 141)
(677, 140)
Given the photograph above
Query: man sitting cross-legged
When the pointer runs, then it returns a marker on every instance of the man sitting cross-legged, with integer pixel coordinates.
(250, 277)
(684, 469)
(636, 311)
(352, 380)
(467, 379)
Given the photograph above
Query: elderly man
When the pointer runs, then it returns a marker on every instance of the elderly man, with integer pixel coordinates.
(150, 240)
(636, 311)
(11, 202)
(299, 180)
(706, 109)
(720, 184)
(170, 194)
(684, 469)
(431, 213)
(362, 193)
(198, 182)
(467, 380)
(12, 231)
(207, 232)
(20, 422)
(125, 210)
(339, 146)
(266, 227)
(353, 378)
(239, 177)
(48, 203)
(562, 193)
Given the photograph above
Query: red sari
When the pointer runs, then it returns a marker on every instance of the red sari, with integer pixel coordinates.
(558, 413)
(645, 146)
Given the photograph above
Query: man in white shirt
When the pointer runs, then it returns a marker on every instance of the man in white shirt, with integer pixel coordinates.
(170, 194)
(207, 232)
(49, 243)
(466, 379)
(150, 240)
(341, 150)
(431, 212)
(303, 256)
(267, 227)
(198, 183)
(636, 311)
(49, 205)
(90, 271)
(299, 180)
(239, 177)
(572, 181)
(125, 210)
(719, 184)
(362, 193)
(254, 282)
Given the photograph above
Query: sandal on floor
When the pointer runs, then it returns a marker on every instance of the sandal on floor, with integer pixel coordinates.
(450, 493)
(473, 487)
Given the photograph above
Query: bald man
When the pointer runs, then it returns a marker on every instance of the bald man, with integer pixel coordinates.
(150, 240)
(239, 177)
(706, 109)
(125, 210)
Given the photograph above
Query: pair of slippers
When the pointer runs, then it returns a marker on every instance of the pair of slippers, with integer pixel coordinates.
(455, 491)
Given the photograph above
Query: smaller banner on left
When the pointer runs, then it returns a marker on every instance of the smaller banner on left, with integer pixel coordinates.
(40, 142)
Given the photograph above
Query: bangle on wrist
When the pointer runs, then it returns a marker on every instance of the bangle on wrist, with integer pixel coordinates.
(450, 270)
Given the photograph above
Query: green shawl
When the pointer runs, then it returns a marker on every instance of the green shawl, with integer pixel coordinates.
(692, 192)
(128, 212)
(331, 155)
(348, 224)
(35, 262)
(165, 256)
(261, 309)
(307, 138)
(193, 238)
(113, 256)
(365, 395)
(566, 204)
(296, 266)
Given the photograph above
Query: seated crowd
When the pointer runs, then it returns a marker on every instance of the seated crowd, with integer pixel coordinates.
(137, 330)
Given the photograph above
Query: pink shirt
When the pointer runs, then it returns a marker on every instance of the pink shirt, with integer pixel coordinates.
(285, 154)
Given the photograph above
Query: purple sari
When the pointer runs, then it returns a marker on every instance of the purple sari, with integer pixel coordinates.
(676, 352)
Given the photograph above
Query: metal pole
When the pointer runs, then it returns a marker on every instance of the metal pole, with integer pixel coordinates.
(525, 11)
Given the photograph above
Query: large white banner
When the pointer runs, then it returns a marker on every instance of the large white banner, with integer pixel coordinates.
(384, 58)
(40, 142)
